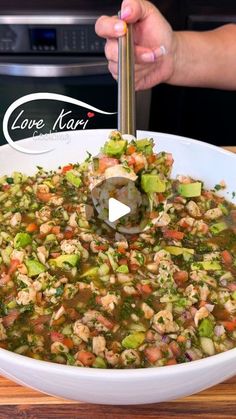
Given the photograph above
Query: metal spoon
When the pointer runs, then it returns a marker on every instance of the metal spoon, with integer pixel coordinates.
(126, 84)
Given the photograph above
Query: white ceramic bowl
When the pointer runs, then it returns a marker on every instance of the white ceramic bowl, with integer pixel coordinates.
(194, 158)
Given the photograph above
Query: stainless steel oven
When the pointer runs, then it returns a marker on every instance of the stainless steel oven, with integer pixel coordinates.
(57, 54)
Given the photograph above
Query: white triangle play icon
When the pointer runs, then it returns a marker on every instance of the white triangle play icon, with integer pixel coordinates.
(116, 210)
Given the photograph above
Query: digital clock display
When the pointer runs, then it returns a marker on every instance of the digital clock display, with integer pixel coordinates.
(43, 39)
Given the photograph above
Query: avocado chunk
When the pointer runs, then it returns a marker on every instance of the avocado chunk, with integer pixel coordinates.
(115, 147)
(151, 183)
(123, 269)
(73, 179)
(206, 266)
(144, 146)
(190, 190)
(65, 261)
(205, 329)
(133, 341)
(22, 240)
(90, 273)
(34, 267)
(177, 251)
(218, 228)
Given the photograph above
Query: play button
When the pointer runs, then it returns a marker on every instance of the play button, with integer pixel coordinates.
(117, 210)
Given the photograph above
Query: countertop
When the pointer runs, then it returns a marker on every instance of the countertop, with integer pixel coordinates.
(20, 402)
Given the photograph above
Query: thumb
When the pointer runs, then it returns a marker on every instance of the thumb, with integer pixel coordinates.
(133, 11)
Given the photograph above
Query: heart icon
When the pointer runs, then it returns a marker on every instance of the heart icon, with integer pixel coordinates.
(90, 114)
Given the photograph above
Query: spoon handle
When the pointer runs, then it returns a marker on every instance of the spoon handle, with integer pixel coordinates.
(126, 84)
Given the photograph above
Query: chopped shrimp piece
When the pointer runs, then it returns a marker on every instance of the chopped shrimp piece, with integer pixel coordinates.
(163, 322)
(193, 209)
(81, 330)
(202, 313)
(99, 345)
(213, 214)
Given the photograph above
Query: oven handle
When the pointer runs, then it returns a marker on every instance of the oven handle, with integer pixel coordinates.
(54, 70)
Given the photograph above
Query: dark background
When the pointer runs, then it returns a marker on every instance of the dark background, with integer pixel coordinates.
(205, 114)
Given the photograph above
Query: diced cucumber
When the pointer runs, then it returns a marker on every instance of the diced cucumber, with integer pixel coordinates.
(207, 346)
(190, 190)
(99, 363)
(151, 183)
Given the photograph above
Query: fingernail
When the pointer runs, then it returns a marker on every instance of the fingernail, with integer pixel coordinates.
(120, 27)
(150, 57)
(126, 12)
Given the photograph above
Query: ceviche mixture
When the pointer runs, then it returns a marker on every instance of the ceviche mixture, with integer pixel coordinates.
(75, 291)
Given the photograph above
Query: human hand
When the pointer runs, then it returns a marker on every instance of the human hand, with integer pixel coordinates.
(155, 42)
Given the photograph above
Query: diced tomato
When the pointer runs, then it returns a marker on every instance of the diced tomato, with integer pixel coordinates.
(138, 167)
(175, 349)
(230, 326)
(181, 339)
(171, 361)
(232, 287)
(233, 215)
(44, 197)
(55, 255)
(202, 304)
(3, 345)
(69, 233)
(107, 323)
(101, 247)
(136, 246)
(134, 267)
(153, 214)
(123, 261)
(161, 197)
(169, 159)
(86, 358)
(68, 342)
(106, 162)
(67, 168)
(144, 288)
(151, 159)
(57, 337)
(173, 234)
(72, 313)
(13, 266)
(227, 257)
(31, 228)
(153, 354)
(121, 250)
(11, 317)
(131, 149)
(6, 187)
(4, 279)
(181, 277)
(55, 230)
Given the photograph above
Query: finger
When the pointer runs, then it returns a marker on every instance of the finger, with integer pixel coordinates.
(134, 10)
(110, 27)
(142, 55)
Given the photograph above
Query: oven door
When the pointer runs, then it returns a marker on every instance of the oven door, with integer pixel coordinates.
(86, 79)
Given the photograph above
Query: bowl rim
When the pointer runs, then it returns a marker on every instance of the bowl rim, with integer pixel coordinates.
(127, 374)
(110, 374)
